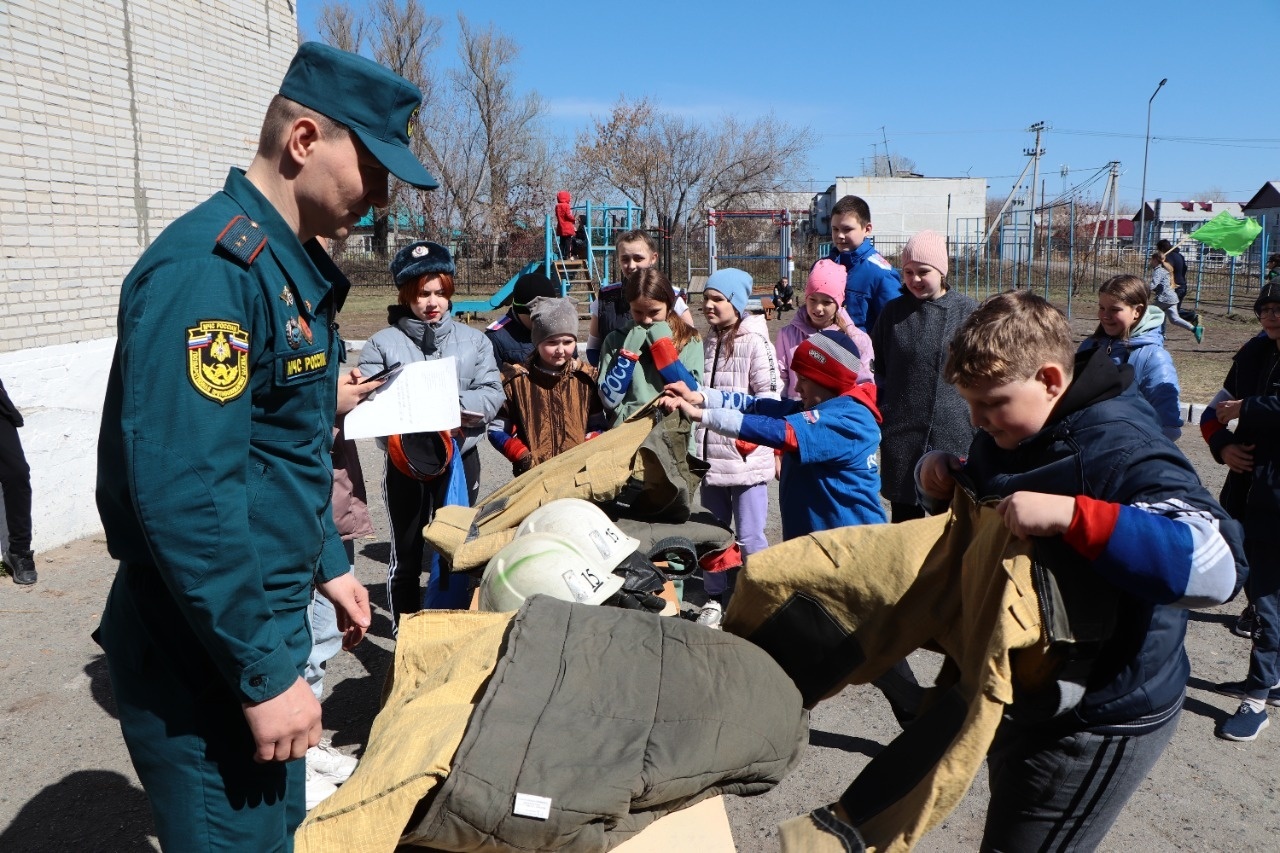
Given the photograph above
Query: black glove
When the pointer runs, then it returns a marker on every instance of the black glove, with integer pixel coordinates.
(632, 600)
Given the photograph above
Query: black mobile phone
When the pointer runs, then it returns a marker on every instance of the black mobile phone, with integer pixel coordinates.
(385, 373)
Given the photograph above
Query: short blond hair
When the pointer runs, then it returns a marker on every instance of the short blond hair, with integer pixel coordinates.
(1007, 339)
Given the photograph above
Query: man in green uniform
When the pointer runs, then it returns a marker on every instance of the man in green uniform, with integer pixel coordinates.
(213, 460)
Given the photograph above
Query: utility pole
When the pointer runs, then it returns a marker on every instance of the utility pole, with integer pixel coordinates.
(1146, 149)
(1115, 219)
(1035, 153)
(887, 158)
(1108, 204)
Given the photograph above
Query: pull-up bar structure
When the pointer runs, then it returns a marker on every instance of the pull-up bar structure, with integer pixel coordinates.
(780, 218)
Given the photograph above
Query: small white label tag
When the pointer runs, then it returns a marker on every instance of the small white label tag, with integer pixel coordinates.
(529, 805)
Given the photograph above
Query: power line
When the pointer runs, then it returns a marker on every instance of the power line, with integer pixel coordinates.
(1265, 143)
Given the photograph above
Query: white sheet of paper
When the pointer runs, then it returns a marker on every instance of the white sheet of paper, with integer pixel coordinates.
(423, 397)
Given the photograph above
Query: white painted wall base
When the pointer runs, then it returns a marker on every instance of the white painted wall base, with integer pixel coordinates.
(60, 390)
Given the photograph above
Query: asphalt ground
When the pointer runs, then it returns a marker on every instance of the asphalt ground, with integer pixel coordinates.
(66, 782)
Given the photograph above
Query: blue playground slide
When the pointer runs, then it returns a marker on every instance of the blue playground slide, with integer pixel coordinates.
(476, 306)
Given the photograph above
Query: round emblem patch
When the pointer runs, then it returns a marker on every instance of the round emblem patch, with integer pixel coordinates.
(218, 359)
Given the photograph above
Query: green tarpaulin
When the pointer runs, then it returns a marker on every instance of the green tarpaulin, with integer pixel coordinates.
(1227, 233)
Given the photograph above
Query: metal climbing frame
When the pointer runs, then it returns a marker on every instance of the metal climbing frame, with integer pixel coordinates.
(604, 223)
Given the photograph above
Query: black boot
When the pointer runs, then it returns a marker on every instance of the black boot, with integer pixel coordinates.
(22, 566)
(405, 599)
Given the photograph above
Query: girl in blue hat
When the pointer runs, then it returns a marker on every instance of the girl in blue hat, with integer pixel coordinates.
(739, 357)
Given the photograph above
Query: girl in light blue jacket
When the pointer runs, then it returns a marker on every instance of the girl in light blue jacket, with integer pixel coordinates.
(1130, 329)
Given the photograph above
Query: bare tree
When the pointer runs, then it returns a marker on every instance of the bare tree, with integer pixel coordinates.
(673, 165)
(493, 162)
(618, 154)
(403, 38)
(341, 26)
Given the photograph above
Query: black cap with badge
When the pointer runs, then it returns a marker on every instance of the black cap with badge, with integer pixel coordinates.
(421, 258)
(377, 104)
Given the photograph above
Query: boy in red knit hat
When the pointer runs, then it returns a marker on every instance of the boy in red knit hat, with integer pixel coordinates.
(828, 438)
(830, 476)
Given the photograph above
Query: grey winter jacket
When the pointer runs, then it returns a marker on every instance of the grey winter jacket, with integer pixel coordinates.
(616, 718)
(921, 410)
(409, 339)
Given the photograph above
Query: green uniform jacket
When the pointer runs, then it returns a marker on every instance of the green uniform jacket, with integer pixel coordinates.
(213, 458)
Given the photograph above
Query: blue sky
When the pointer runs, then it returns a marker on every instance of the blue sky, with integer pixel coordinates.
(953, 85)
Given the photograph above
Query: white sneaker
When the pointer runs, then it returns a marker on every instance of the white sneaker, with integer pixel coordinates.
(711, 614)
(318, 788)
(328, 763)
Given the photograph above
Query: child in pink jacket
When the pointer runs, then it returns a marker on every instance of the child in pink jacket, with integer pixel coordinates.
(738, 357)
(823, 308)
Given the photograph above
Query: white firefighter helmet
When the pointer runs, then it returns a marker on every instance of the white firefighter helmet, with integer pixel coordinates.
(546, 564)
(585, 524)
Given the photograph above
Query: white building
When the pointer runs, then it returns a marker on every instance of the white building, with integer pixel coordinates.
(114, 119)
(901, 206)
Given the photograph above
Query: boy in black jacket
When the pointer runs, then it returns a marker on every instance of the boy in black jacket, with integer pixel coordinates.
(1131, 538)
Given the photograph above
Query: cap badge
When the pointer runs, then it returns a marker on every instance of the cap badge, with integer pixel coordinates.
(419, 251)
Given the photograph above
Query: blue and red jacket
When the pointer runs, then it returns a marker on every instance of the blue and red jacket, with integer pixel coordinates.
(830, 473)
(871, 284)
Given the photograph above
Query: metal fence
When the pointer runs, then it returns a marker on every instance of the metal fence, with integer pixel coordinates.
(1063, 260)
(482, 266)
(1059, 258)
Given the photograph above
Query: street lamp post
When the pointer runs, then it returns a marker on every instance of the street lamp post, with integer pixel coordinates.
(1142, 209)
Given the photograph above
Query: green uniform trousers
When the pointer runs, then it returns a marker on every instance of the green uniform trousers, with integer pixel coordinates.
(186, 731)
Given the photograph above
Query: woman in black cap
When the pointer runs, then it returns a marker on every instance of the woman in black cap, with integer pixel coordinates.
(417, 471)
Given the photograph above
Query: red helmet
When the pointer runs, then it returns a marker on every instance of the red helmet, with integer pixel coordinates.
(421, 455)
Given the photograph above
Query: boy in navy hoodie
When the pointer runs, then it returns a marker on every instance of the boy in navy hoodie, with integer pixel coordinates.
(1130, 538)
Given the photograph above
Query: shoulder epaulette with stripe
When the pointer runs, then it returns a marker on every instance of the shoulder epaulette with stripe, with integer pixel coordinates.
(242, 239)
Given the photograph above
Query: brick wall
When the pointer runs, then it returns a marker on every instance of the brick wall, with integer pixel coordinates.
(115, 118)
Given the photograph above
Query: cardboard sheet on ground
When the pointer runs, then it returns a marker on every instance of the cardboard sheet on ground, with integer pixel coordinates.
(701, 828)
(423, 397)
